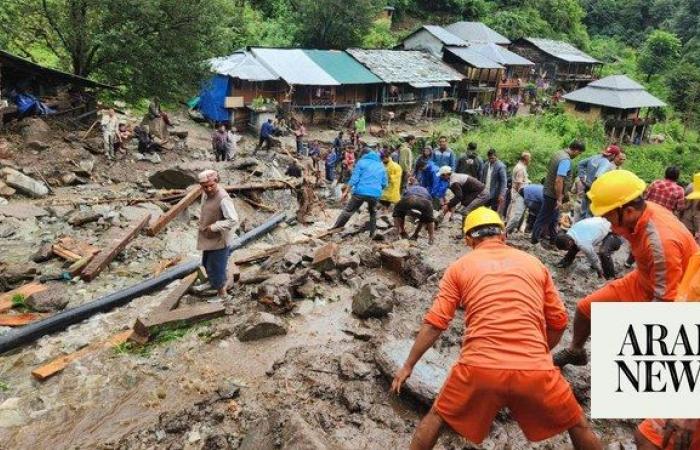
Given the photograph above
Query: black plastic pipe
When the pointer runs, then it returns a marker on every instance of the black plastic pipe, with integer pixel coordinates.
(62, 320)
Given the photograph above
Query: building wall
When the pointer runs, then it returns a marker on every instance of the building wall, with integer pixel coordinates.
(422, 40)
(592, 113)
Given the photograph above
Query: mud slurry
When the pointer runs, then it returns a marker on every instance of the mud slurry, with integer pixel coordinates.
(318, 386)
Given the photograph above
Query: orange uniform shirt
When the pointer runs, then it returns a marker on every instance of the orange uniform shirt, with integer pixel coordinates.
(509, 300)
(662, 247)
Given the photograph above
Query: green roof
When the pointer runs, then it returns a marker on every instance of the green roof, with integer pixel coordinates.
(343, 67)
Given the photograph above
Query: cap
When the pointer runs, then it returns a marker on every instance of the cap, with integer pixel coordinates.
(445, 170)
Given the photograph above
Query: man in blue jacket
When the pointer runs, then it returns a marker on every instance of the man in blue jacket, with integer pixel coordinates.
(266, 131)
(367, 183)
(493, 175)
(443, 155)
(426, 173)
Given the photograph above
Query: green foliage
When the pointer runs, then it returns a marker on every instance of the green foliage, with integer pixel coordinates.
(4, 387)
(19, 301)
(334, 23)
(661, 49)
(519, 23)
(160, 336)
(684, 91)
(380, 35)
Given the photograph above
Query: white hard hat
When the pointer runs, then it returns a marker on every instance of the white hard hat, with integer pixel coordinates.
(445, 170)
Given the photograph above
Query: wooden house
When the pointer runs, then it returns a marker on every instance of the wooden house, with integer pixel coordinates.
(481, 76)
(432, 39)
(558, 62)
(477, 32)
(622, 104)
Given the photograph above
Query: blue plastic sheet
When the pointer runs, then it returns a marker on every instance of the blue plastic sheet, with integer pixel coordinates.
(212, 98)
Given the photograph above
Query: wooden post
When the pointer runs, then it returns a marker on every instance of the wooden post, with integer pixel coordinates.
(173, 212)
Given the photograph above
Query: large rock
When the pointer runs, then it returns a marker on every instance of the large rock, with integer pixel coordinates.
(259, 326)
(24, 184)
(22, 211)
(52, 299)
(372, 300)
(297, 434)
(428, 376)
(5, 190)
(326, 257)
(352, 368)
(178, 177)
(34, 129)
(82, 217)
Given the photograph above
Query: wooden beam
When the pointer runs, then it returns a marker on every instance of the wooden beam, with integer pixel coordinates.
(25, 291)
(181, 316)
(17, 320)
(171, 301)
(173, 212)
(114, 246)
(64, 253)
(55, 366)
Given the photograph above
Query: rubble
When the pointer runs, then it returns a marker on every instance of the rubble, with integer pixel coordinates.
(81, 218)
(325, 257)
(23, 183)
(5, 190)
(44, 253)
(52, 299)
(178, 177)
(372, 300)
(259, 325)
(352, 368)
(22, 211)
(34, 129)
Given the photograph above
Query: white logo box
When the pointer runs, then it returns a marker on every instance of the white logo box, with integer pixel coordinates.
(638, 392)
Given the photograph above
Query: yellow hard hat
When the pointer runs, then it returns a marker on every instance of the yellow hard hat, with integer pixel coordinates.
(614, 189)
(695, 195)
(482, 216)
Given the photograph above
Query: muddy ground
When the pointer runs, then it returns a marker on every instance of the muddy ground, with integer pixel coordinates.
(200, 387)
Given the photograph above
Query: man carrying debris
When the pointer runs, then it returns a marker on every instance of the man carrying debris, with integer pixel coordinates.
(266, 131)
(468, 194)
(441, 182)
(392, 192)
(528, 198)
(415, 198)
(659, 242)
(217, 222)
(556, 185)
(513, 316)
(367, 183)
(110, 127)
(586, 235)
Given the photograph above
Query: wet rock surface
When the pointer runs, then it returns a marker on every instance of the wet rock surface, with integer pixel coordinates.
(372, 300)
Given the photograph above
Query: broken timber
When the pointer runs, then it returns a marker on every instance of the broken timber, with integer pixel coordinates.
(180, 316)
(17, 320)
(25, 291)
(58, 364)
(173, 212)
(173, 298)
(116, 245)
(259, 186)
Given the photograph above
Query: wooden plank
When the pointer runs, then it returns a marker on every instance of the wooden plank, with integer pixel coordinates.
(171, 301)
(26, 291)
(180, 316)
(80, 248)
(113, 248)
(173, 212)
(165, 264)
(58, 364)
(17, 320)
(64, 253)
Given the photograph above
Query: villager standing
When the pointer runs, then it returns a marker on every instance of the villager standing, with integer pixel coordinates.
(392, 192)
(654, 235)
(557, 183)
(157, 120)
(231, 142)
(406, 159)
(519, 180)
(443, 155)
(691, 215)
(366, 185)
(510, 326)
(494, 177)
(589, 169)
(217, 222)
(299, 134)
(425, 157)
(110, 127)
(667, 192)
(219, 140)
(470, 163)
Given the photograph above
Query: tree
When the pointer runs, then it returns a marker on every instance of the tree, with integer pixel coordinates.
(519, 23)
(660, 51)
(379, 36)
(149, 47)
(684, 91)
(334, 23)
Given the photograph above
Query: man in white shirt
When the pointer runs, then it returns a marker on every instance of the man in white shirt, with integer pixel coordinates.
(110, 126)
(586, 235)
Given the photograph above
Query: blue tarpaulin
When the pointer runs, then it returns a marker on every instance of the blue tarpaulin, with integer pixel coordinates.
(212, 98)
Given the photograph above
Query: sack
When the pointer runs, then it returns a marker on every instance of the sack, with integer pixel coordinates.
(689, 288)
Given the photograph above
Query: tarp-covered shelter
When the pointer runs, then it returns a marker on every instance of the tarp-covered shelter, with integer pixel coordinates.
(618, 101)
(62, 91)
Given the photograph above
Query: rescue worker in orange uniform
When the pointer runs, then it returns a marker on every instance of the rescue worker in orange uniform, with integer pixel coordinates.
(513, 317)
(660, 243)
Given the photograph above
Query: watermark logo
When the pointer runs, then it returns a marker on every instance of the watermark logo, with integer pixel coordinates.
(645, 360)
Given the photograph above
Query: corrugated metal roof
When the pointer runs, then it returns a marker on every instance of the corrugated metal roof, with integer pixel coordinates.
(474, 58)
(500, 55)
(476, 32)
(405, 66)
(343, 67)
(617, 91)
(562, 50)
(430, 84)
(293, 66)
(242, 65)
(443, 35)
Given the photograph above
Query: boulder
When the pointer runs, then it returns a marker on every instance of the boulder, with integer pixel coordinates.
(352, 368)
(428, 375)
(85, 168)
(275, 291)
(299, 435)
(22, 211)
(24, 184)
(82, 217)
(35, 129)
(244, 163)
(372, 300)
(325, 258)
(5, 190)
(259, 326)
(44, 253)
(351, 261)
(178, 177)
(37, 145)
(52, 299)
(394, 259)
